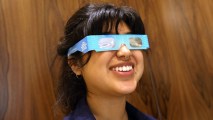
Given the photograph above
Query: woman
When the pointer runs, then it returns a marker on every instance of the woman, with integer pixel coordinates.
(97, 75)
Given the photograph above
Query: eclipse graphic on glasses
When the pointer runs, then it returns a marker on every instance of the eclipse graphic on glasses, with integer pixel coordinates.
(101, 43)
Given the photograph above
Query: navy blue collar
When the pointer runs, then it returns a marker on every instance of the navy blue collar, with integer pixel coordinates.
(82, 112)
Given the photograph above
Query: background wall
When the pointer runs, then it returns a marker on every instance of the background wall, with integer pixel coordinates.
(180, 85)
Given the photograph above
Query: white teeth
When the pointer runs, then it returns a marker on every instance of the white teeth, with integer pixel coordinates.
(123, 68)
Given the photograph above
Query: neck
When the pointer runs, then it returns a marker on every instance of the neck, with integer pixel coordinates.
(107, 108)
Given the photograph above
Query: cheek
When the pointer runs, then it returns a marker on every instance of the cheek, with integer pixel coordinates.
(139, 61)
(94, 71)
(138, 57)
(101, 59)
(97, 63)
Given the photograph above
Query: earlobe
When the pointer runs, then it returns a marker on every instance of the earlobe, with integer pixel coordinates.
(75, 68)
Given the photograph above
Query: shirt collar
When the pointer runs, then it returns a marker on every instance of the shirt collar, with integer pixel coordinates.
(82, 112)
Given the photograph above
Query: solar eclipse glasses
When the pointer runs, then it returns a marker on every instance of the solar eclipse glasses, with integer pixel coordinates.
(101, 43)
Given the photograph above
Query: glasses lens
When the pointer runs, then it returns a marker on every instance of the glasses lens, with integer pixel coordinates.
(135, 42)
(106, 43)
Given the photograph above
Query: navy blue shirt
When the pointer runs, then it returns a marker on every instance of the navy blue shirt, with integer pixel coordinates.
(82, 112)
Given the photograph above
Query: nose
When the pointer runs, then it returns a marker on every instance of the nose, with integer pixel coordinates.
(124, 53)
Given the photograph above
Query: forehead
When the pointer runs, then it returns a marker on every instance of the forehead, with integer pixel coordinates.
(110, 28)
(123, 28)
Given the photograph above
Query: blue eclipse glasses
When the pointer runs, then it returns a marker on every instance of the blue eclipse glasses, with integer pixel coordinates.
(110, 42)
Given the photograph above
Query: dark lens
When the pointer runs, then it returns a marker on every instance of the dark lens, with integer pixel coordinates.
(135, 42)
(106, 43)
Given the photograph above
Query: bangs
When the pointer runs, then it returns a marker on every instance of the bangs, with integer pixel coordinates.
(104, 19)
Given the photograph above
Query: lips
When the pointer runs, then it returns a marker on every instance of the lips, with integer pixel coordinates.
(123, 70)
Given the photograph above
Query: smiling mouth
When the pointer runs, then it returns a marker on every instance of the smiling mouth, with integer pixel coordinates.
(123, 68)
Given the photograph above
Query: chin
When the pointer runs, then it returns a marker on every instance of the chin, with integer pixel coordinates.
(126, 87)
(125, 90)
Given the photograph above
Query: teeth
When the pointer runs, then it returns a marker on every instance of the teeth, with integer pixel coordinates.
(123, 68)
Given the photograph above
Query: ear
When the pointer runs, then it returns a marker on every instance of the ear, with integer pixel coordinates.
(75, 68)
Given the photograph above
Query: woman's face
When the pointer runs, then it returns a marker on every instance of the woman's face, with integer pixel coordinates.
(114, 72)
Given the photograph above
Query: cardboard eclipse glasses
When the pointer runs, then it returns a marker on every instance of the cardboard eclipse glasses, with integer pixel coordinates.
(101, 43)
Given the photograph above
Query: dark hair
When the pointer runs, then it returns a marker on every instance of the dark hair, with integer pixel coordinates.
(92, 19)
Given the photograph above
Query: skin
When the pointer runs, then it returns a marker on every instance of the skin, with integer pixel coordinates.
(106, 88)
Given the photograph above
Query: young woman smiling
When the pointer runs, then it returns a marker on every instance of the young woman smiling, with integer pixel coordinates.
(96, 79)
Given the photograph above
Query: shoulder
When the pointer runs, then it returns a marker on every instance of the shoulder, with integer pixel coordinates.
(135, 114)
